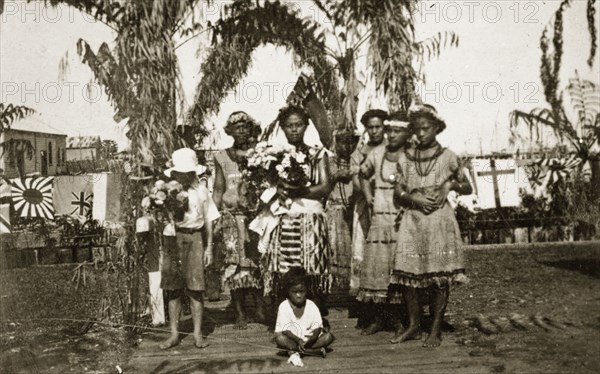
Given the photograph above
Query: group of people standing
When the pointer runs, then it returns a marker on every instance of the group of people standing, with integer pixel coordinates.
(373, 219)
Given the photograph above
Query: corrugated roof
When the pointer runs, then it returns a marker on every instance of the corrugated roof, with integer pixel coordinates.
(83, 141)
(33, 124)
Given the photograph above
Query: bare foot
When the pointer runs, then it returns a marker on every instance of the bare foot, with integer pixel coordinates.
(373, 328)
(240, 324)
(432, 341)
(411, 333)
(170, 343)
(199, 342)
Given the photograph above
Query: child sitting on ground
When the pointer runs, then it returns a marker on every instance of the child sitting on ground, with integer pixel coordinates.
(299, 328)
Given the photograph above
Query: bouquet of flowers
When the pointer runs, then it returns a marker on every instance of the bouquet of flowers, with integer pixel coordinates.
(167, 201)
(269, 166)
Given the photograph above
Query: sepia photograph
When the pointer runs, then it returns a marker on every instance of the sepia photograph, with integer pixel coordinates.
(299, 186)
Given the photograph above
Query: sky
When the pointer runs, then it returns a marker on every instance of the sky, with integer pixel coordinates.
(494, 70)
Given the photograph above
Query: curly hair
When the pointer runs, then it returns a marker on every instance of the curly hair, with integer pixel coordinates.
(287, 111)
(294, 277)
(373, 113)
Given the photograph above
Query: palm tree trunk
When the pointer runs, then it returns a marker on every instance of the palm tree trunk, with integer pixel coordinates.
(595, 167)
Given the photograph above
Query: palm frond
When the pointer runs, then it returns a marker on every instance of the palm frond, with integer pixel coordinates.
(392, 44)
(432, 47)
(585, 98)
(247, 27)
(10, 113)
(591, 18)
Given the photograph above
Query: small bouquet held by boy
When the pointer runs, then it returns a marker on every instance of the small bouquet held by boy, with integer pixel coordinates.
(299, 328)
(268, 167)
(168, 201)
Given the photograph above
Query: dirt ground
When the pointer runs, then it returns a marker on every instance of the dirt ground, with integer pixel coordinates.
(554, 293)
(36, 331)
(538, 307)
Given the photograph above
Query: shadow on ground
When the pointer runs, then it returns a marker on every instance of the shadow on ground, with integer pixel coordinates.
(220, 366)
(590, 267)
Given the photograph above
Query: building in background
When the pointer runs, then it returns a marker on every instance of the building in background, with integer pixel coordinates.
(83, 148)
(32, 147)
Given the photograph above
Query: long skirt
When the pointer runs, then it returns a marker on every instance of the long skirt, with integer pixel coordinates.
(299, 241)
(238, 252)
(378, 262)
(340, 241)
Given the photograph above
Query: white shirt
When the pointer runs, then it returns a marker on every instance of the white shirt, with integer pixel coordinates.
(302, 327)
(199, 202)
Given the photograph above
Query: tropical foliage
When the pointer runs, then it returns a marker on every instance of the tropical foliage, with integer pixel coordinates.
(139, 72)
(10, 113)
(14, 148)
(582, 132)
(331, 46)
(246, 28)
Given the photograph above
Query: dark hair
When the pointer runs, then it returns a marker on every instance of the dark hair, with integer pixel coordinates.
(294, 277)
(241, 117)
(288, 111)
(398, 116)
(373, 113)
(428, 112)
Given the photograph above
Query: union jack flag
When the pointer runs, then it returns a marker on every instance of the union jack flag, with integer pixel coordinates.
(32, 197)
(82, 203)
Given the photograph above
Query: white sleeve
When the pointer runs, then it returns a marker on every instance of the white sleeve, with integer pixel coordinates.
(212, 212)
(282, 319)
(315, 314)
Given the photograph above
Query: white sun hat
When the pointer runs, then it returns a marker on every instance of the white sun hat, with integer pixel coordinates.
(185, 161)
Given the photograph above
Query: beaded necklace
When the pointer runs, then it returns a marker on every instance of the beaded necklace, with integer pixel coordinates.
(432, 161)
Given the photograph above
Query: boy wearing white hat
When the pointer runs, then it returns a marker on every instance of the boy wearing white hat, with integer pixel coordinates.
(183, 263)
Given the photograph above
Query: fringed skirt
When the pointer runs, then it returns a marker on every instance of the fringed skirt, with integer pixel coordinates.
(299, 241)
(429, 250)
(378, 262)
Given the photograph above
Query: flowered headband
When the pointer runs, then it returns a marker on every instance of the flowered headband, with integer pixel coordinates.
(426, 110)
(237, 117)
(396, 123)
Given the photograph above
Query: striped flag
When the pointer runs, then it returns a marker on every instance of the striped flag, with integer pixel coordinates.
(32, 197)
(5, 199)
(5, 226)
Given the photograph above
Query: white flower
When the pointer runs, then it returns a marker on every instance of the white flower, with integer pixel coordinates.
(300, 157)
(160, 184)
(279, 168)
(145, 202)
(174, 186)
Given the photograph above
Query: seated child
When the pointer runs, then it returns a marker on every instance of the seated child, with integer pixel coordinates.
(299, 327)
